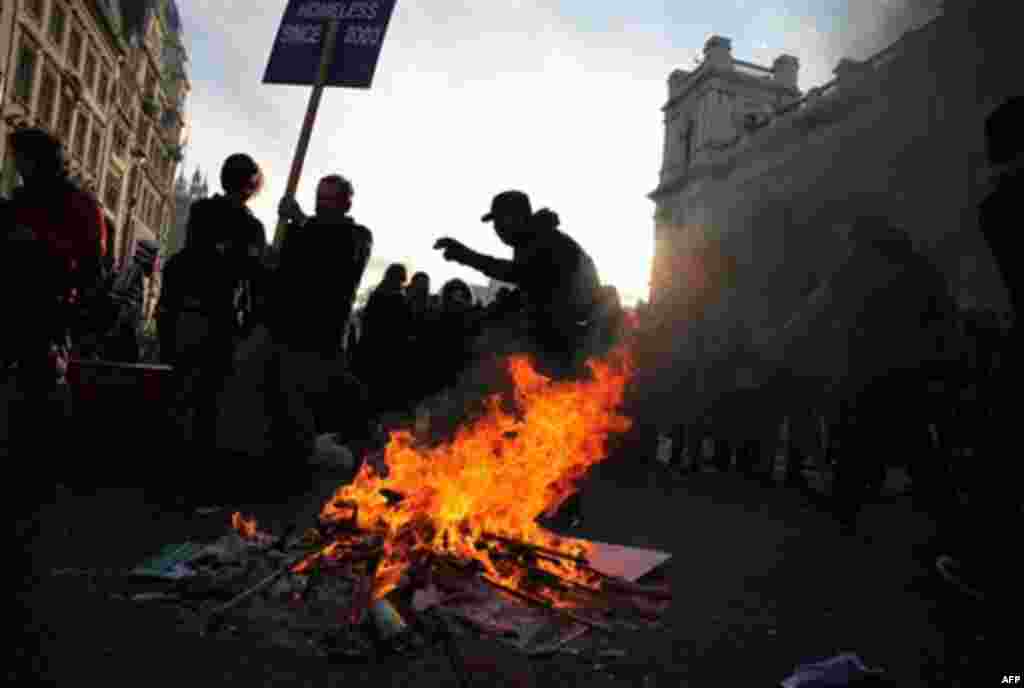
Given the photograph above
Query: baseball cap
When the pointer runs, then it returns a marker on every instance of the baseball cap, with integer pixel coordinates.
(509, 202)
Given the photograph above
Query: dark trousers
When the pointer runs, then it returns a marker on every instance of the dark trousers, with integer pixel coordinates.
(202, 365)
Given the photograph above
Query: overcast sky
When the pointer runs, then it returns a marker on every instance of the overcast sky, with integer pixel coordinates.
(559, 99)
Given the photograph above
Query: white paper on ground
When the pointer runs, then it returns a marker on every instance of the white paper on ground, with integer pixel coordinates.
(629, 563)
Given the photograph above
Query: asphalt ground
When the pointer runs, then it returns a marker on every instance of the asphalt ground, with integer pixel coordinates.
(762, 582)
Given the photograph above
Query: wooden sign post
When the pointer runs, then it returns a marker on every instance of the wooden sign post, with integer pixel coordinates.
(307, 124)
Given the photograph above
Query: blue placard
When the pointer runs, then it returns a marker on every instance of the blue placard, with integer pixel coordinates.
(295, 57)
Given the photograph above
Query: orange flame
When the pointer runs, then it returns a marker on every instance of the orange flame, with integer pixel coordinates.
(495, 477)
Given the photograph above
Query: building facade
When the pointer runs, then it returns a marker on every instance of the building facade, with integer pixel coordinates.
(108, 78)
(760, 178)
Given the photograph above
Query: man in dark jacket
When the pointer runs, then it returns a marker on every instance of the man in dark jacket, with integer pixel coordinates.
(207, 298)
(385, 344)
(979, 566)
(323, 259)
(558, 278)
(60, 233)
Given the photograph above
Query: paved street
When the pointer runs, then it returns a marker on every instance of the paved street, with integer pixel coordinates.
(761, 583)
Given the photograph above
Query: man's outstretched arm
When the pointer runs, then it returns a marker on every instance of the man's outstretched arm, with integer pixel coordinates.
(495, 268)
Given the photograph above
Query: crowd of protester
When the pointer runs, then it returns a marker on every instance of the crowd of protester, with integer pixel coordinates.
(922, 381)
(228, 299)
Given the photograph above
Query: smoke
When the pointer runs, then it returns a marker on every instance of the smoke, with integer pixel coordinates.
(873, 25)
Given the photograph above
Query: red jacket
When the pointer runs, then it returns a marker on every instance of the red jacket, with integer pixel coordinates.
(70, 224)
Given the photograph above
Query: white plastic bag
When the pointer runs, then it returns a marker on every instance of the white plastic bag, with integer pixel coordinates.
(834, 672)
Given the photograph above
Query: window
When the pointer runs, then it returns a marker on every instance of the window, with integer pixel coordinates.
(75, 49)
(112, 194)
(35, 9)
(47, 98)
(67, 111)
(151, 86)
(95, 147)
(81, 135)
(58, 23)
(142, 136)
(154, 214)
(24, 78)
(688, 143)
(120, 142)
(126, 99)
(90, 72)
(104, 88)
(133, 183)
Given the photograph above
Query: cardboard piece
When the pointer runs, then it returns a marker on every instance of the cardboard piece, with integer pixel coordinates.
(629, 563)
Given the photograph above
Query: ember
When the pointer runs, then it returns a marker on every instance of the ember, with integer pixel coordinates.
(476, 498)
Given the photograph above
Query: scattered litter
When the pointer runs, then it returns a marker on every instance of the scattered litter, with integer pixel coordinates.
(170, 562)
(72, 572)
(841, 670)
(155, 597)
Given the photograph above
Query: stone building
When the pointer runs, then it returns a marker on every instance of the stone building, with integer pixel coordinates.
(759, 177)
(107, 77)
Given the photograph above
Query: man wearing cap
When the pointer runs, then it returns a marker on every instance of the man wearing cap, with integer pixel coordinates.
(555, 275)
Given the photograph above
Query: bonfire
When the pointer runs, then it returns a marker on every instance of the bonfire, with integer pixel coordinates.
(449, 528)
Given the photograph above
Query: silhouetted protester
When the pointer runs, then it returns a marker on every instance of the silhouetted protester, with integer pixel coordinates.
(450, 345)
(418, 296)
(889, 303)
(384, 343)
(422, 314)
(748, 423)
(323, 259)
(609, 329)
(976, 564)
(558, 279)
(206, 299)
(800, 402)
(559, 284)
(60, 231)
(128, 296)
(506, 302)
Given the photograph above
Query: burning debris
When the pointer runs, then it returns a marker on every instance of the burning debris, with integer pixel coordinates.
(447, 534)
